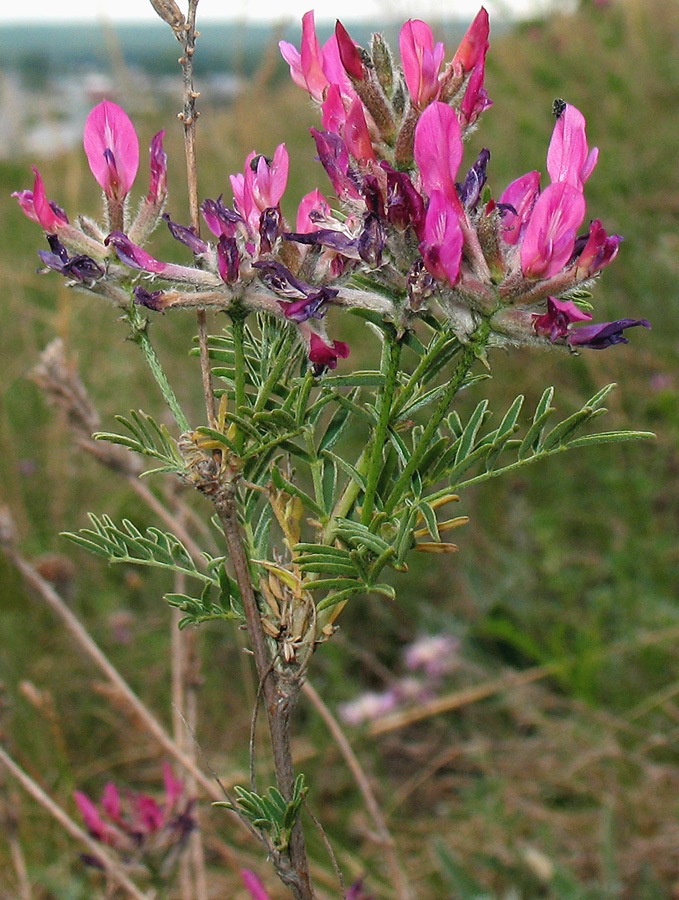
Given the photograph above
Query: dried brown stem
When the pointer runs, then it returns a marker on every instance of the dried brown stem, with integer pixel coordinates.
(82, 637)
(189, 117)
(113, 870)
(398, 875)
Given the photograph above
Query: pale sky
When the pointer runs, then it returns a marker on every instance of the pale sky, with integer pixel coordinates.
(140, 10)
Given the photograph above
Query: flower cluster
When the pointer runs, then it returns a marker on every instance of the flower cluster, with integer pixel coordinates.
(144, 833)
(408, 229)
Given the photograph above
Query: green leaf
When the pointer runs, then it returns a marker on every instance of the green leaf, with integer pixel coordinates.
(471, 430)
(336, 427)
(282, 484)
(610, 437)
(347, 468)
(355, 379)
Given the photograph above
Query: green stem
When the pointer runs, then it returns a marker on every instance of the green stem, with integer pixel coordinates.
(139, 327)
(470, 353)
(391, 355)
(414, 380)
(275, 373)
(238, 328)
(347, 500)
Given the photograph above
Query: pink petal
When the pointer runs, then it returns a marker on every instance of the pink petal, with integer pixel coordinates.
(312, 58)
(421, 61)
(521, 194)
(110, 802)
(438, 149)
(174, 787)
(43, 211)
(474, 44)
(568, 157)
(356, 133)
(254, 885)
(91, 816)
(313, 202)
(293, 58)
(112, 148)
(348, 52)
(333, 113)
(333, 68)
(158, 165)
(549, 238)
(441, 248)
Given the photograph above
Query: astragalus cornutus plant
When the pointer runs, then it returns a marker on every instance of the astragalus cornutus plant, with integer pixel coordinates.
(324, 482)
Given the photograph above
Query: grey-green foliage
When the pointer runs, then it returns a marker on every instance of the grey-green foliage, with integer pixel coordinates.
(125, 543)
(148, 438)
(270, 813)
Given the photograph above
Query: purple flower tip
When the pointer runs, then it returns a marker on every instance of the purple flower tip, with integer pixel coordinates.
(598, 337)
(150, 299)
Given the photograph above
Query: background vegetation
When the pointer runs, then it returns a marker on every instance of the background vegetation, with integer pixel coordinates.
(567, 787)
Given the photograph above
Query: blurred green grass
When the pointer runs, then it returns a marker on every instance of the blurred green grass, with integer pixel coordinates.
(575, 562)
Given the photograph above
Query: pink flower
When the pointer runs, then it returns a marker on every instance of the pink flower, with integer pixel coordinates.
(421, 61)
(569, 157)
(261, 186)
(333, 111)
(549, 238)
(560, 314)
(136, 257)
(438, 150)
(348, 53)
(356, 133)
(436, 655)
(325, 354)
(476, 99)
(112, 149)
(313, 206)
(38, 208)
(158, 164)
(94, 823)
(474, 44)
(441, 248)
(517, 204)
(598, 251)
(314, 67)
(255, 887)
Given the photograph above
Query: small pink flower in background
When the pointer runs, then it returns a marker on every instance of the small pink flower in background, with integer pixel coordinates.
(421, 60)
(438, 150)
(255, 887)
(549, 239)
(112, 149)
(368, 706)
(137, 826)
(436, 655)
(569, 157)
